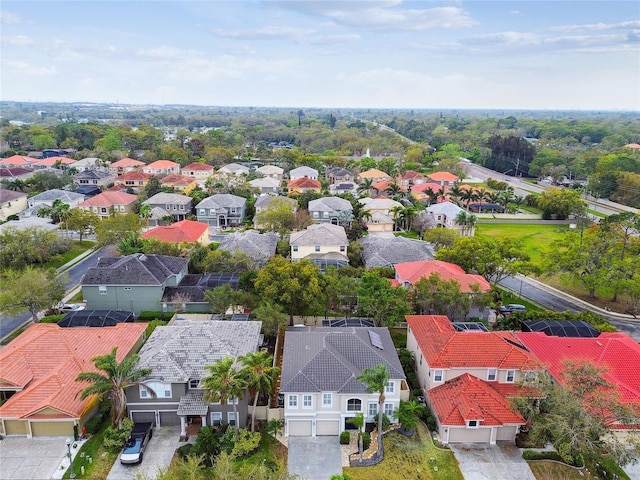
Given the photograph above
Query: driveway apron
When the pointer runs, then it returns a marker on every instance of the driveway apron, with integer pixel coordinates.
(492, 462)
(35, 458)
(314, 458)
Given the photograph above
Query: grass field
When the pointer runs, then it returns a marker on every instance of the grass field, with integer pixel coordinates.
(410, 458)
(77, 248)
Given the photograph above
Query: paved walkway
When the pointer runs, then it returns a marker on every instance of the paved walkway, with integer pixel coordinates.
(314, 458)
(491, 462)
(37, 458)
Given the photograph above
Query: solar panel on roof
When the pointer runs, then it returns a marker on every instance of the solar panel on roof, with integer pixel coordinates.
(469, 326)
(240, 317)
(376, 341)
(348, 322)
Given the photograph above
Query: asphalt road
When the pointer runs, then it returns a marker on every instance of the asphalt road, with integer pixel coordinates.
(559, 301)
(10, 323)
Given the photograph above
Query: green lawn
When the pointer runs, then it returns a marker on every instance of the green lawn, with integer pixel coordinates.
(399, 336)
(410, 458)
(102, 459)
(77, 249)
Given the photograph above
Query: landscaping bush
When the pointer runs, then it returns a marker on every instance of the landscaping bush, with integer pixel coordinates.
(52, 318)
(93, 424)
(184, 450)
(115, 439)
(366, 440)
(152, 326)
(429, 419)
(207, 443)
(148, 316)
(385, 421)
(545, 455)
(240, 443)
(345, 438)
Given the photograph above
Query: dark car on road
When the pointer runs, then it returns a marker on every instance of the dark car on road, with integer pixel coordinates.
(133, 450)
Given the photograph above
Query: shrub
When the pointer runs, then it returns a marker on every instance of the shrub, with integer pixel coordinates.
(152, 326)
(240, 443)
(544, 455)
(148, 316)
(115, 439)
(93, 424)
(207, 443)
(345, 438)
(105, 406)
(385, 421)
(52, 318)
(184, 450)
(366, 440)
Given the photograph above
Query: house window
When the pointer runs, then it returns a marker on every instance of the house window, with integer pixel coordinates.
(212, 211)
(354, 405)
(167, 207)
(203, 211)
(389, 387)
(437, 375)
(373, 409)
(181, 207)
(216, 419)
(102, 289)
(316, 214)
(295, 248)
(307, 401)
(530, 376)
(492, 375)
(388, 409)
(472, 423)
(327, 400)
(343, 248)
(122, 208)
(193, 383)
(511, 376)
(231, 417)
(232, 401)
(162, 390)
(126, 288)
(420, 359)
(103, 210)
(293, 401)
(317, 248)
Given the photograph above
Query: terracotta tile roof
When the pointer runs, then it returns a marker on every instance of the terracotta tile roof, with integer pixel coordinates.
(18, 160)
(134, 175)
(304, 182)
(374, 173)
(126, 162)
(411, 174)
(161, 164)
(425, 186)
(51, 161)
(176, 179)
(468, 398)
(440, 176)
(382, 186)
(617, 352)
(197, 166)
(107, 199)
(46, 359)
(444, 347)
(412, 272)
(183, 231)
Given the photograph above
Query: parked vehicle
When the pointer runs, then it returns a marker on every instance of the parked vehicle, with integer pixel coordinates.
(512, 307)
(133, 450)
(70, 307)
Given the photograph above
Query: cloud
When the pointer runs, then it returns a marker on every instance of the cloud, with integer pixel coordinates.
(514, 12)
(265, 33)
(632, 24)
(18, 41)
(27, 69)
(7, 17)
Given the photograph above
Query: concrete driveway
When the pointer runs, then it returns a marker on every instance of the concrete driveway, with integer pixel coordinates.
(491, 462)
(38, 458)
(158, 454)
(314, 458)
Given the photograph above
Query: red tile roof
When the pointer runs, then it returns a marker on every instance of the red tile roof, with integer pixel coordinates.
(176, 179)
(183, 231)
(443, 176)
(51, 161)
(126, 162)
(412, 272)
(134, 175)
(18, 160)
(198, 166)
(633, 145)
(46, 359)
(469, 398)
(109, 198)
(420, 188)
(162, 164)
(304, 182)
(382, 186)
(444, 347)
(616, 352)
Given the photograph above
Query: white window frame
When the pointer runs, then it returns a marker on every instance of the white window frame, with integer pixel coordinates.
(476, 423)
(102, 289)
(372, 409)
(390, 387)
(326, 403)
(354, 400)
(512, 374)
(317, 248)
(194, 383)
(162, 390)
(492, 375)
(292, 401)
(231, 417)
(307, 401)
(216, 417)
(388, 409)
(441, 375)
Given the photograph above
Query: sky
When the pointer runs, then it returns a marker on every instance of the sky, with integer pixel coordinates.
(543, 55)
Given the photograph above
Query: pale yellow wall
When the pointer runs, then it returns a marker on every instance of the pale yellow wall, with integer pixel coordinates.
(13, 207)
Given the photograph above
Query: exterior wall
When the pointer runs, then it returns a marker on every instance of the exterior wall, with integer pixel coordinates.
(106, 212)
(213, 219)
(177, 211)
(12, 207)
(380, 227)
(304, 250)
(136, 300)
(52, 428)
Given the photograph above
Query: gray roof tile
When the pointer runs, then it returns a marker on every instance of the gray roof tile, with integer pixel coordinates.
(136, 269)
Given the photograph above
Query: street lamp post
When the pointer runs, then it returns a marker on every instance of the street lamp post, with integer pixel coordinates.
(72, 474)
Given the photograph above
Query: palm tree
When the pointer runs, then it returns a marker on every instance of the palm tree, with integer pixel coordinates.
(376, 379)
(483, 194)
(432, 196)
(395, 191)
(408, 414)
(16, 185)
(396, 214)
(358, 422)
(455, 193)
(409, 214)
(261, 376)
(468, 196)
(145, 213)
(225, 382)
(518, 200)
(467, 221)
(113, 381)
(365, 186)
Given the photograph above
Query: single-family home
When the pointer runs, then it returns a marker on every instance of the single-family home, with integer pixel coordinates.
(40, 395)
(344, 188)
(264, 202)
(133, 283)
(234, 169)
(339, 175)
(427, 192)
(323, 243)
(22, 161)
(199, 171)
(91, 163)
(184, 231)
(266, 185)
(178, 355)
(169, 204)
(11, 203)
(222, 210)
(374, 175)
(59, 163)
(410, 178)
(260, 247)
(379, 224)
(161, 168)
(319, 382)
(272, 171)
(179, 183)
(106, 204)
(445, 215)
(409, 273)
(302, 185)
(380, 251)
(11, 174)
(135, 179)
(46, 199)
(468, 378)
(379, 205)
(125, 165)
(444, 179)
(303, 172)
(94, 177)
(336, 210)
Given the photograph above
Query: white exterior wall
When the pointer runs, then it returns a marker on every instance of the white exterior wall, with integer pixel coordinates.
(304, 250)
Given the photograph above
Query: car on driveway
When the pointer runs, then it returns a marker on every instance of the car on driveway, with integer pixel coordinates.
(70, 307)
(133, 450)
(512, 307)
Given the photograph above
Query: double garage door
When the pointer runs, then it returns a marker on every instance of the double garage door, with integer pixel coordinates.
(304, 428)
(165, 418)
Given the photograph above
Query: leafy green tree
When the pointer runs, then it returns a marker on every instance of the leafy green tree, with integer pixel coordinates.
(221, 298)
(408, 414)
(376, 379)
(46, 180)
(225, 382)
(111, 379)
(295, 286)
(560, 202)
(152, 187)
(225, 261)
(112, 230)
(387, 305)
(130, 244)
(32, 289)
(83, 222)
(261, 376)
(278, 216)
(441, 237)
(30, 246)
(272, 317)
(436, 296)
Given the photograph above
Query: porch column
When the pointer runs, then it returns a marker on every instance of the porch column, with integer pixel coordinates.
(204, 420)
(183, 425)
(313, 428)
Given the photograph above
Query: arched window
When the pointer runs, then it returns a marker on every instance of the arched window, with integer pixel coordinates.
(354, 405)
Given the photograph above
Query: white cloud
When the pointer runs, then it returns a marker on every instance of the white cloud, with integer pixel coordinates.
(633, 24)
(266, 33)
(7, 17)
(27, 69)
(18, 41)
(514, 12)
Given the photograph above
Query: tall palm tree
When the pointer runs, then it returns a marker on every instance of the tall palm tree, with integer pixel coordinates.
(16, 185)
(376, 379)
(432, 196)
(225, 382)
(396, 214)
(409, 214)
(112, 382)
(468, 196)
(145, 213)
(261, 376)
(365, 187)
(455, 193)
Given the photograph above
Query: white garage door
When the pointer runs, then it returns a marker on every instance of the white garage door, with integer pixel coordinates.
(469, 435)
(327, 427)
(299, 428)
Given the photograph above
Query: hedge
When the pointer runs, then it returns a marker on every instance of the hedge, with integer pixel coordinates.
(148, 316)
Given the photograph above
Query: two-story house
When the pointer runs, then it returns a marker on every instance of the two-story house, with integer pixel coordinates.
(234, 169)
(444, 179)
(107, 204)
(11, 203)
(266, 202)
(18, 161)
(125, 165)
(336, 210)
(161, 168)
(177, 355)
(409, 273)
(222, 210)
(468, 378)
(179, 183)
(169, 204)
(201, 172)
(272, 171)
(302, 185)
(133, 283)
(323, 243)
(303, 172)
(374, 175)
(46, 199)
(319, 382)
(445, 215)
(134, 179)
(184, 231)
(339, 175)
(58, 163)
(93, 177)
(266, 185)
